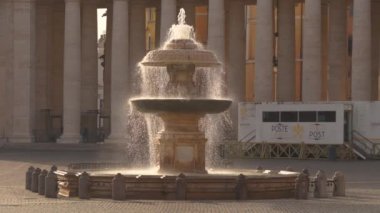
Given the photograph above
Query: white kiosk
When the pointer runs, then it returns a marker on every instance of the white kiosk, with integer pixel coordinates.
(290, 127)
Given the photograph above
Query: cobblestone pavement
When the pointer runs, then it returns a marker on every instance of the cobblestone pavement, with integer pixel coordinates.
(363, 188)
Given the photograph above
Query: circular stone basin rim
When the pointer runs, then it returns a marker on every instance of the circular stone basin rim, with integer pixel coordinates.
(206, 106)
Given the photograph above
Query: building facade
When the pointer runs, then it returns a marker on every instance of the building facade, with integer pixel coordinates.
(273, 50)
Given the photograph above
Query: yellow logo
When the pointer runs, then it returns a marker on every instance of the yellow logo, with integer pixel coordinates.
(298, 130)
(243, 112)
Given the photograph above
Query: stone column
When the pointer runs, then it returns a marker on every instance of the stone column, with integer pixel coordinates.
(312, 52)
(44, 55)
(23, 70)
(337, 58)
(6, 70)
(107, 74)
(89, 74)
(43, 52)
(361, 51)
(168, 17)
(286, 51)
(72, 73)
(325, 49)
(189, 7)
(158, 29)
(119, 75)
(216, 28)
(264, 51)
(236, 58)
(375, 33)
(137, 48)
(56, 74)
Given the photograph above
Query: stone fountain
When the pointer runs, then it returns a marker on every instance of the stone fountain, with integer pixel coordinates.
(181, 144)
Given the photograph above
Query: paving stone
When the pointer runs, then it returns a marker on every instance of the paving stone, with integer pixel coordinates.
(362, 188)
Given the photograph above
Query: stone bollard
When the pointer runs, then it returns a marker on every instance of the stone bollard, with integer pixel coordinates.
(181, 187)
(241, 192)
(118, 187)
(41, 182)
(28, 178)
(302, 186)
(339, 184)
(51, 185)
(53, 168)
(320, 185)
(35, 175)
(83, 186)
(306, 171)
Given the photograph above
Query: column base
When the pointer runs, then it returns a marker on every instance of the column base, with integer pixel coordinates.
(69, 139)
(21, 139)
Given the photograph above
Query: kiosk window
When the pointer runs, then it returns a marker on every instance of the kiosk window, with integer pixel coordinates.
(308, 116)
(326, 116)
(271, 117)
(289, 116)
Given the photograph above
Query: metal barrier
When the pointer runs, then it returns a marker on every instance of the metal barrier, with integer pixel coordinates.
(367, 147)
(274, 150)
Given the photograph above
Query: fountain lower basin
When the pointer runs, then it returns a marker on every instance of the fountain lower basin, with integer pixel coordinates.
(216, 185)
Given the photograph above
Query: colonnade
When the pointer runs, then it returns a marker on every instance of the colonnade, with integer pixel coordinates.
(48, 57)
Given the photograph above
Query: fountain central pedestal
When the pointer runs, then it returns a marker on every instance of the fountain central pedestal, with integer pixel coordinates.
(181, 144)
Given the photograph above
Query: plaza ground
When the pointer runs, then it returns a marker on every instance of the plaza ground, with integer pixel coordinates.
(363, 187)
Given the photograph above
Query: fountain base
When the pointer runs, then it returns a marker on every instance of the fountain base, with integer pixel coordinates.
(219, 185)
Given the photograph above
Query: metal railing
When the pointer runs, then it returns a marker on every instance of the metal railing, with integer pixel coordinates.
(248, 141)
(249, 137)
(368, 147)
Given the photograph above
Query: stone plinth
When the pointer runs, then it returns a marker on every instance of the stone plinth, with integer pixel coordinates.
(181, 144)
(182, 151)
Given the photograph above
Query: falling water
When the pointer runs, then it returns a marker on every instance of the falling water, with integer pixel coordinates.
(209, 83)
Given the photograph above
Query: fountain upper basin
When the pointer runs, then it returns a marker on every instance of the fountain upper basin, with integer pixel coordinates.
(181, 51)
(206, 106)
(200, 58)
